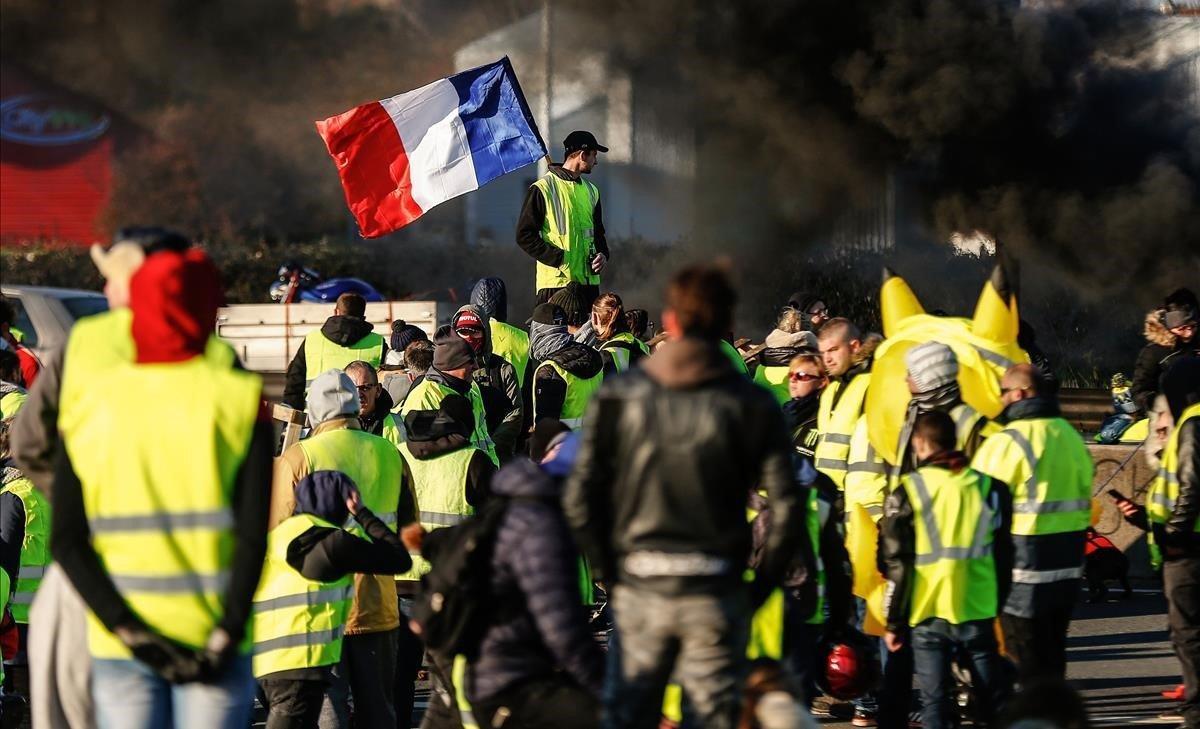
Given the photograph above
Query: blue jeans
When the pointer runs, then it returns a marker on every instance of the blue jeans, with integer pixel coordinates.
(935, 643)
(698, 639)
(800, 646)
(128, 695)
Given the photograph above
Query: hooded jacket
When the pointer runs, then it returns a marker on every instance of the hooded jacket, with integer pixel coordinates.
(540, 626)
(500, 388)
(1162, 348)
(342, 331)
(783, 346)
(490, 296)
(668, 456)
(550, 389)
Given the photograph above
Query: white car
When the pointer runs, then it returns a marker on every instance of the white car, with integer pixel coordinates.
(44, 315)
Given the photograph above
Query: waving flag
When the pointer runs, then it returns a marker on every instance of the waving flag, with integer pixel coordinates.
(401, 156)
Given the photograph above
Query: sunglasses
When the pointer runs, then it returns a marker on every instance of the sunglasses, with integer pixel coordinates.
(803, 377)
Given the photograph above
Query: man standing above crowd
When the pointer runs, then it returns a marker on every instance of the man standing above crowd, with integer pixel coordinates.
(561, 225)
(343, 338)
(684, 428)
(1044, 461)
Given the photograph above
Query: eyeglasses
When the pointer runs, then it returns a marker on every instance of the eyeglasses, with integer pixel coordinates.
(803, 377)
(823, 311)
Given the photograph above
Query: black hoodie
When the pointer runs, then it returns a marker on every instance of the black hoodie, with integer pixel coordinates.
(550, 389)
(342, 331)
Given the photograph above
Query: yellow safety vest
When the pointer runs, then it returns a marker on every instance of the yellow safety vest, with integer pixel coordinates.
(158, 496)
(579, 393)
(12, 403)
(866, 481)
(393, 430)
(440, 486)
(1046, 464)
(371, 462)
(5, 586)
(512, 345)
(322, 355)
(775, 379)
(100, 341)
(955, 571)
(428, 395)
(620, 347)
(1164, 491)
(734, 356)
(298, 622)
(35, 549)
(568, 226)
(838, 412)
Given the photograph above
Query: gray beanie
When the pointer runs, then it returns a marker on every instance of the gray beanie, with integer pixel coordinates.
(330, 395)
(931, 365)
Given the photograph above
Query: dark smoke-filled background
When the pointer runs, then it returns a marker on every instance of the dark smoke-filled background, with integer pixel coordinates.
(1057, 128)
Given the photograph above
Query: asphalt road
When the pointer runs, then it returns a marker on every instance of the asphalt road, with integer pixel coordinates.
(1120, 659)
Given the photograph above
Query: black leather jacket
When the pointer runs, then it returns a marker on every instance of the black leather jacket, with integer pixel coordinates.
(668, 454)
(1179, 531)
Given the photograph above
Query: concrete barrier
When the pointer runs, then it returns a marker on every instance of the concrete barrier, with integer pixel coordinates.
(1122, 468)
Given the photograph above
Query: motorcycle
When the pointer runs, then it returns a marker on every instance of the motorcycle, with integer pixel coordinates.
(296, 283)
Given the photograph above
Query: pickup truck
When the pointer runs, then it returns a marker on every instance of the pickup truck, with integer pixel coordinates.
(44, 315)
(265, 336)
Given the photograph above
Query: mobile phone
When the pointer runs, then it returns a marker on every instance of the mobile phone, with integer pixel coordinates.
(1115, 495)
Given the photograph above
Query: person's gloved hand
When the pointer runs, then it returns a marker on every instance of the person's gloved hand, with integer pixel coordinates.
(174, 662)
(218, 652)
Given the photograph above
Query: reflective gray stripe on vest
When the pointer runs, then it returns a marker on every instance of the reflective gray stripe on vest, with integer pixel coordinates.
(867, 467)
(163, 521)
(965, 415)
(1051, 507)
(979, 547)
(996, 359)
(837, 464)
(22, 598)
(389, 519)
(319, 637)
(1043, 577)
(31, 573)
(441, 518)
(837, 438)
(1161, 499)
(560, 215)
(1031, 504)
(189, 583)
(572, 423)
(305, 599)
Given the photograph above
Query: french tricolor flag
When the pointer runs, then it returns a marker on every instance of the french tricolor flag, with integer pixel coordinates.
(401, 156)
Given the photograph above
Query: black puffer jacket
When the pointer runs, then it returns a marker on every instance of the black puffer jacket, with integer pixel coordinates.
(1162, 349)
(668, 454)
(539, 624)
(342, 331)
(550, 389)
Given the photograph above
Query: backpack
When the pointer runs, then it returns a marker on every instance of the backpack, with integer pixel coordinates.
(454, 607)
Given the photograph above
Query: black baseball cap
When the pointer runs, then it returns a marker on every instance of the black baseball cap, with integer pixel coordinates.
(582, 140)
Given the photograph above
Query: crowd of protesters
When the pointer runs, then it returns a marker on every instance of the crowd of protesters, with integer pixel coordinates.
(163, 564)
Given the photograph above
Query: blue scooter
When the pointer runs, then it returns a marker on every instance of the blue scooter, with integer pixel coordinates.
(296, 283)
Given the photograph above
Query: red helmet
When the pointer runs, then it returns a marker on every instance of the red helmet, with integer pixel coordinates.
(849, 666)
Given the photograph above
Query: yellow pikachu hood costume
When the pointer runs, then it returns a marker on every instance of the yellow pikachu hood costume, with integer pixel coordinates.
(986, 346)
